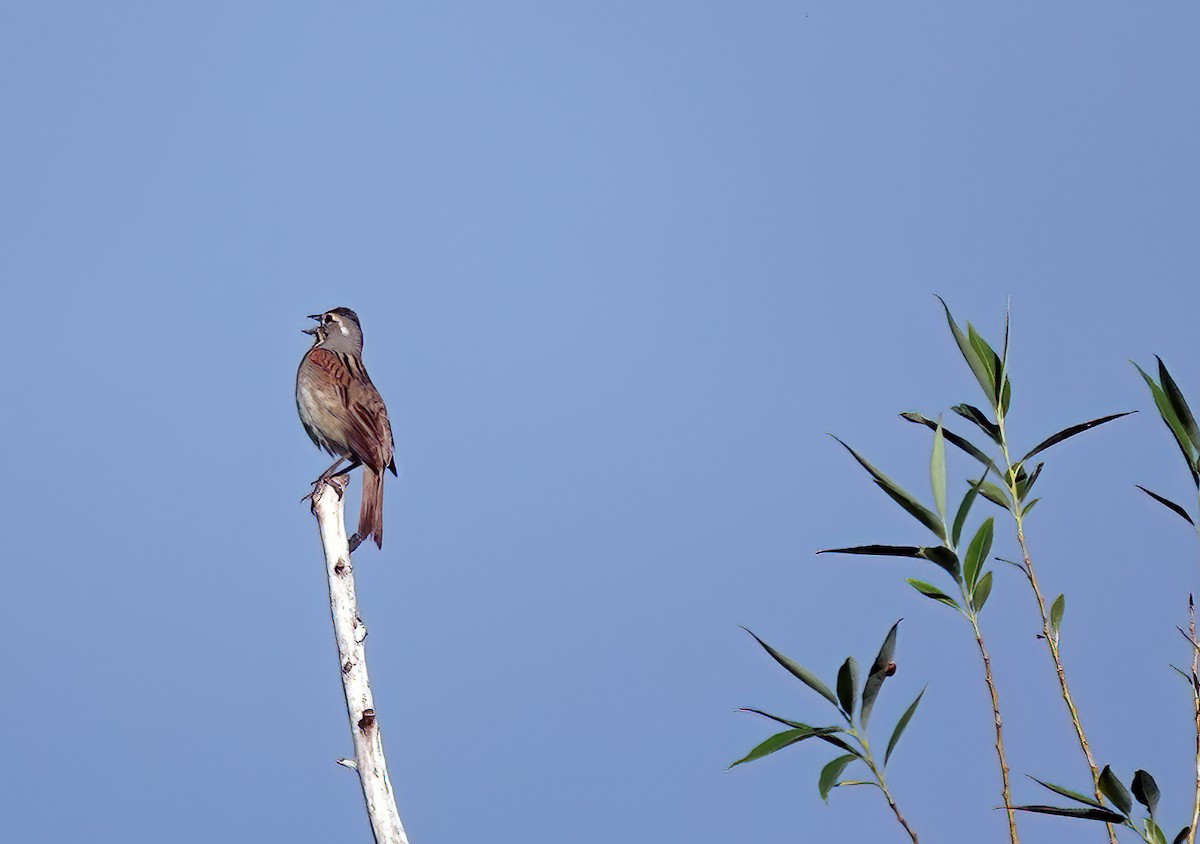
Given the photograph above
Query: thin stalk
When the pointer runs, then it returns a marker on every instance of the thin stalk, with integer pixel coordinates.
(1048, 636)
(882, 784)
(999, 724)
(1195, 714)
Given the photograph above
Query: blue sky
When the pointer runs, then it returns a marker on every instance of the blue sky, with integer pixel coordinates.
(620, 267)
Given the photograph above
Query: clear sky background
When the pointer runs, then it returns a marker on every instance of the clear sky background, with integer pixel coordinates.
(620, 267)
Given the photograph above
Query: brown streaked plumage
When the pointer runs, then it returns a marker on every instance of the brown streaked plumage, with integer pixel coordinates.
(344, 414)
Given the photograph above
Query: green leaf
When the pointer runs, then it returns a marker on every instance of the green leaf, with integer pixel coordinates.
(1067, 433)
(1005, 397)
(777, 742)
(982, 589)
(951, 437)
(971, 356)
(1025, 510)
(1183, 835)
(980, 419)
(978, 550)
(1068, 793)
(830, 773)
(1145, 789)
(1178, 403)
(1153, 831)
(990, 360)
(1089, 813)
(995, 495)
(1026, 484)
(1116, 793)
(799, 671)
(799, 725)
(931, 591)
(847, 685)
(937, 474)
(828, 737)
(964, 508)
(1169, 504)
(877, 675)
(917, 510)
(940, 556)
(900, 725)
(1056, 613)
(1167, 411)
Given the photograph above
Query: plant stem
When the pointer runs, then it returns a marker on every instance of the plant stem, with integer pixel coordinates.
(1047, 634)
(882, 783)
(1195, 713)
(999, 723)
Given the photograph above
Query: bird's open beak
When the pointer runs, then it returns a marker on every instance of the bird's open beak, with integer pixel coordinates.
(312, 330)
(317, 317)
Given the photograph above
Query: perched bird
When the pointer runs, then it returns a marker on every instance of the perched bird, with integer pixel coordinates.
(344, 414)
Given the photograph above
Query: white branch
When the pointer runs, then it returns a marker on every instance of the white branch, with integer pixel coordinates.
(349, 631)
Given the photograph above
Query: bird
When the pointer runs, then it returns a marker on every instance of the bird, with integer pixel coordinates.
(344, 414)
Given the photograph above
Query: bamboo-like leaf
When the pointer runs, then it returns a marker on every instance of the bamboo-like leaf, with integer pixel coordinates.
(777, 742)
(1025, 510)
(1178, 403)
(1183, 835)
(825, 734)
(978, 551)
(799, 671)
(964, 508)
(1067, 433)
(1056, 613)
(830, 773)
(951, 437)
(900, 725)
(931, 591)
(1116, 793)
(1167, 411)
(797, 725)
(847, 685)
(1145, 790)
(1153, 831)
(989, 358)
(897, 494)
(1025, 484)
(986, 381)
(980, 419)
(940, 556)
(1089, 813)
(1169, 504)
(1005, 397)
(981, 592)
(877, 675)
(995, 495)
(937, 474)
(1068, 793)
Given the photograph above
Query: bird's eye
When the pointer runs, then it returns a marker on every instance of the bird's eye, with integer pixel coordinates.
(328, 318)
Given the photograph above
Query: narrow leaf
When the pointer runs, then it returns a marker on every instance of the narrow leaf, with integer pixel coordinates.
(970, 355)
(825, 734)
(951, 437)
(1056, 613)
(1153, 831)
(1023, 486)
(917, 510)
(1025, 510)
(990, 360)
(1068, 793)
(800, 672)
(1091, 814)
(1173, 422)
(1067, 433)
(940, 556)
(937, 473)
(1116, 793)
(995, 495)
(877, 675)
(799, 725)
(1145, 789)
(900, 725)
(980, 419)
(964, 508)
(978, 551)
(1169, 504)
(931, 591)
(982, 589)
(944, 559)
(830, 773)
(847, 685)
(1183, 835)
(774, 743)
(1178, 403)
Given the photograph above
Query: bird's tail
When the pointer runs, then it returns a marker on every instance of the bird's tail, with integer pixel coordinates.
(370, 512)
